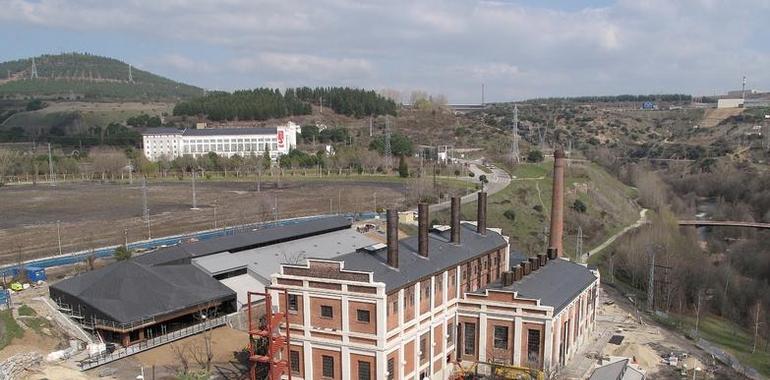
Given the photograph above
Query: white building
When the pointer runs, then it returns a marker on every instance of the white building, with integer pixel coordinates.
(171, 143)
(729, 103)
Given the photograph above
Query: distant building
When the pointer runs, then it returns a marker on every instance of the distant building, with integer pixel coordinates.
(730, 103)
(171, 143)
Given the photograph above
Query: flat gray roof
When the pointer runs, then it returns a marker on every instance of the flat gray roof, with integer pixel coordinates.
(210, 131)
(265, 261)
(556, 284)
(412, 267)
(183, 253)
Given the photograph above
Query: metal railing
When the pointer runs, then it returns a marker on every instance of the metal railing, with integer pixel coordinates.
(97, 360)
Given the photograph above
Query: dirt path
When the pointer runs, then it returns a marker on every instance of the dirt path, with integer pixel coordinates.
(642, 220)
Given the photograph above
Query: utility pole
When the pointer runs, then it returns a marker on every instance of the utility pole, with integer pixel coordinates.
(339, 201)
(321, 102)
(482, 94)
(149, 227)
(579, 245)
(331, 206)
(375, 203)
(58, 234)
(515, 154)
(275, 208)
(697, 314)
(215, 214)
(743, 88)
(125, 237)
(387, 149)
(130, 173)
(33, 74)
(370, 126)
(50, 167)
(146, 212)
(651, 284)
(194, 199)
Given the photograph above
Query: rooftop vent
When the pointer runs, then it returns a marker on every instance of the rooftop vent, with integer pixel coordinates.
(374, 248)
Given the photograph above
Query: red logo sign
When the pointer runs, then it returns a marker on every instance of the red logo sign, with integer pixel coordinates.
(280, 138)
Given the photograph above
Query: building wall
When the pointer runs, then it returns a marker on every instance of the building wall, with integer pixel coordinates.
(421, 332)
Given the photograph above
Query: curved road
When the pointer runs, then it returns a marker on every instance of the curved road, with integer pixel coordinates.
(498, 180)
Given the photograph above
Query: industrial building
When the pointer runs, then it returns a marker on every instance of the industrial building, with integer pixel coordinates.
(423, 306)
(170, 143)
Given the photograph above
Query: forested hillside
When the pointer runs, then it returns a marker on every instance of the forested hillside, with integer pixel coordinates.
(86, 76)
(265, 103)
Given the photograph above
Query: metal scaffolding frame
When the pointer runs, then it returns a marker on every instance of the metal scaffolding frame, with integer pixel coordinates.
(276, 355)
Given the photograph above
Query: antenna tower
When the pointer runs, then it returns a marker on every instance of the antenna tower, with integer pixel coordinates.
(515, 155)
(33, 74)
(482, 94)
(130, 75)
(743, 88)
(387, 150)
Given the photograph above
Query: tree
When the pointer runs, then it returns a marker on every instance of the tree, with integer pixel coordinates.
(122, 253)
(403, 169)
(483, 180)
(266, 160)
(535, 156)
(510, 214)
(579, 206)
(35, 104)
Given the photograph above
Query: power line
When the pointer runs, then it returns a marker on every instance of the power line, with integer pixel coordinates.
(33, 74)
(130, 75)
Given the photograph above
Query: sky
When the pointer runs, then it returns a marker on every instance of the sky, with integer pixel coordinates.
(518, 49)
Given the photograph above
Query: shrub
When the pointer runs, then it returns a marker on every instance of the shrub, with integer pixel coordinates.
(538, 208)
(510, 214)
(535, 156)
(579, 206)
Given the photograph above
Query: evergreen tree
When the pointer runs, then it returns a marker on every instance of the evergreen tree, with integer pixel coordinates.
(403, 169)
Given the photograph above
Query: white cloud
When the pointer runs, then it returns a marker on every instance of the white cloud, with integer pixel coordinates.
(441, 46)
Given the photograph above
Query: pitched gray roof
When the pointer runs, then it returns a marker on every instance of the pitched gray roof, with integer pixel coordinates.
(183, 253)
(229, 131)
(555, 284)
(412, 267)
(129, 291)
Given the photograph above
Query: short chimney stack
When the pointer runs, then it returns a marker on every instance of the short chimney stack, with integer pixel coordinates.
(542, 259)
(392, 237)
(422, 229)
(508, 278)
(534, 263)
(551, 253)
(455, 220)
(481, 215)
(518, 272)
(526, 268)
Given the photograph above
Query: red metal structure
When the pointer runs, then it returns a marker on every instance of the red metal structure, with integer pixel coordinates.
(276, 354)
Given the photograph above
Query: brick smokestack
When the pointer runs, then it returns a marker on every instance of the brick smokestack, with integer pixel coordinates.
(557, 206)
(481, 216)
(455, 220)
(392, 237)
(422, 229)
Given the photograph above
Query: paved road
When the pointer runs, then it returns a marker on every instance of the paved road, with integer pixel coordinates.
(498, 180)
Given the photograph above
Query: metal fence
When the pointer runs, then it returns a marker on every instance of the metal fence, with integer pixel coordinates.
(95, 361)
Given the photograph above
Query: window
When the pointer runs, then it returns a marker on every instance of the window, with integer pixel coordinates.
(364, 370)
(327, 311)
(395, 307)
(294, 358)
(292, 303)
(391, 369)
(470, 339)
(424, 349)
(501, 337)
(439, 283)
(328, 366)
(533, 346)
(410, 296)
(362, 315)
(450, 334)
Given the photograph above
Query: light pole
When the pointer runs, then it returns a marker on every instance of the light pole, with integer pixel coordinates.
(58, 234)
(194, 200)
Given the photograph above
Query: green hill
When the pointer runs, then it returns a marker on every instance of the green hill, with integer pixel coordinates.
(84, 76)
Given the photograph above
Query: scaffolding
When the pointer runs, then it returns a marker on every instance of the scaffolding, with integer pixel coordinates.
(274, 347)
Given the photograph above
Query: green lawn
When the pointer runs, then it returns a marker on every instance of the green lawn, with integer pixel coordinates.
(606, 200)
(731, 337)
(25, 310)
(10, 329)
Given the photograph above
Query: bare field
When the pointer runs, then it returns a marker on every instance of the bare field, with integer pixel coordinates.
(93, 215)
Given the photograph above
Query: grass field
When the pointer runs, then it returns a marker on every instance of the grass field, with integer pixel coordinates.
(94, 215)
(528, 197)
(731, 337)
(9, 330)
(90, 114)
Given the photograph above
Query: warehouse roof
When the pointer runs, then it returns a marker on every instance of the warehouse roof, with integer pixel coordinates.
(556, 284)
(412, 267)
(183, 253)
(267, 260)
(128, 291)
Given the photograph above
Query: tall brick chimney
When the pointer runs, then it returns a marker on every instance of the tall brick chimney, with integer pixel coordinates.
(455, 220)
(481, 215)
(557, 203)
(422, 229)
(392, 237)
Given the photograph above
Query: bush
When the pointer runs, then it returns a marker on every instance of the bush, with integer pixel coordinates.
(510, 214)
(579, 206)
(535, 156)
(538, 208)
(471, 174)
(403, 169)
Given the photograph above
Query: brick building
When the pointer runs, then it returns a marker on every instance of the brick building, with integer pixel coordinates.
(415, 308)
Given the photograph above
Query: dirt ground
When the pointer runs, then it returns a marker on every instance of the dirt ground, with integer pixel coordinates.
(94, 215)
(644, 342)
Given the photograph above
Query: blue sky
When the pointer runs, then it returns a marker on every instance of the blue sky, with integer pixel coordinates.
(519, 49)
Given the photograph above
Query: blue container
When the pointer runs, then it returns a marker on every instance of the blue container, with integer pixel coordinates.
(35, 274)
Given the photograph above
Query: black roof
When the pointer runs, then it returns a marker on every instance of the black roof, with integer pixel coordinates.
(556, 284)
(185, 252)
(162, 131)
(128, 291)
(412, 267)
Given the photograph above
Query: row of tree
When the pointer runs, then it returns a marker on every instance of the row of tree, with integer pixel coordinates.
(348, 101)
(256, 104)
